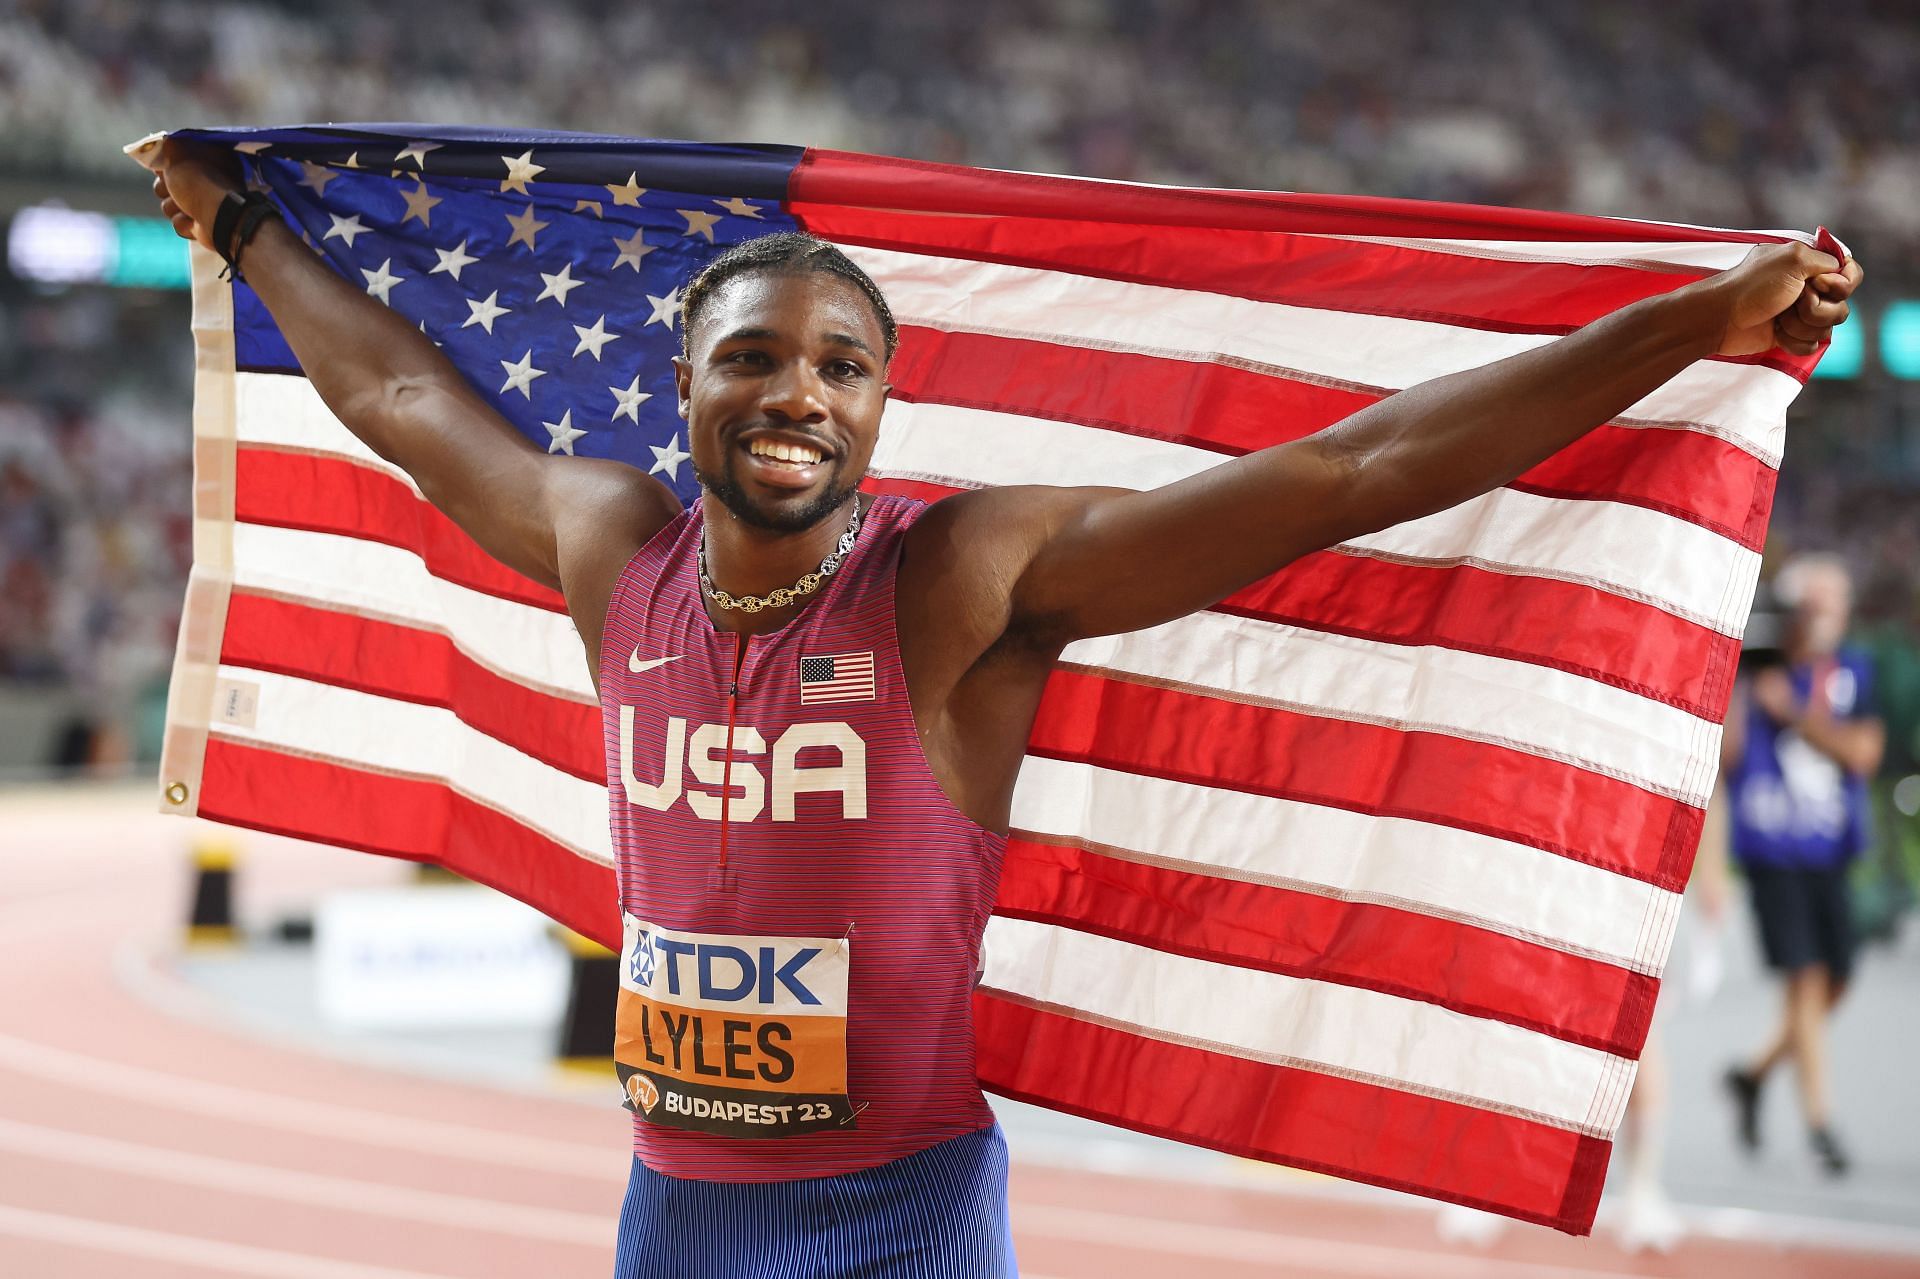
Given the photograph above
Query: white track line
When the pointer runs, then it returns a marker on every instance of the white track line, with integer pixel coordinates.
(349, 1194)
(150, 1087)
(95, 1235)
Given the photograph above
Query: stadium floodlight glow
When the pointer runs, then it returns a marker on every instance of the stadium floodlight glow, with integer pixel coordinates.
(1900, 339)
(52, 244)
(1848, 350)
(57, 245)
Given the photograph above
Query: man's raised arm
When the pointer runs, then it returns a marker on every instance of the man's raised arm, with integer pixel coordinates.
(393, 388)
(1101, 561)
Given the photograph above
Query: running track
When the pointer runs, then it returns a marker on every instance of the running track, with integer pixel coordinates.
(139, 1139)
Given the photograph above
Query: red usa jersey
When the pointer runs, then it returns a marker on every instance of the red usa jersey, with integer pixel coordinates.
(803, 905)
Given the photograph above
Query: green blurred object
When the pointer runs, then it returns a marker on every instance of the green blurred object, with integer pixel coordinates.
(1899, 338)
(149, 256)
(1848, 350)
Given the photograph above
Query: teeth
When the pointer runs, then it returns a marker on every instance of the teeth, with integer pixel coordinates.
(782, 451)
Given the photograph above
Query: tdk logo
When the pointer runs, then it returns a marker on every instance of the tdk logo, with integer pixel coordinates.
(720, 973)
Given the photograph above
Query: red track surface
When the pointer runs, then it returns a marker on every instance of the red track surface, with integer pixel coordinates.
(135, 1141)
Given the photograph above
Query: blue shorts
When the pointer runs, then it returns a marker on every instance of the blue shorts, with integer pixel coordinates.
(938, 1214)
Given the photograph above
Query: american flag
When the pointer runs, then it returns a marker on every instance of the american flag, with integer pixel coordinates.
(1370, 869)
(844, 677)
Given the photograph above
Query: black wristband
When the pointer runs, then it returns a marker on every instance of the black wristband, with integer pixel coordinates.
(239, 217)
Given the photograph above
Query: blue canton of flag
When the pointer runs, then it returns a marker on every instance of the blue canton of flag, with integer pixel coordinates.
(560, 301)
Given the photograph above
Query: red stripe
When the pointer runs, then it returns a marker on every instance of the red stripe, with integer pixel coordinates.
(335, 495)
(1563, 625)
(391, 660)
(1309, 271)
(1399, 952)
(882, 182)
(1231, 410)
(1303, 1118)
(1425, 776)
(419, 820)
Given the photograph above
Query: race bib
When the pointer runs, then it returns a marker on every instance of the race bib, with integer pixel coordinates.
(739, 1035)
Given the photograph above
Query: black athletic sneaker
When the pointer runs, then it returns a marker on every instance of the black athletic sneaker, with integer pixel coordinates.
(1744, 1088)
(1831, 1156)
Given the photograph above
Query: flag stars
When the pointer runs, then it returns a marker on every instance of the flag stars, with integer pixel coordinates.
(668, 459)
(588, 206)
(419, 205)
(739, 207)
(520, 375)
(666, 310)
(628, 193)
(352, 161)
(631, 250)
(559, 284)
(525, 227)
(316, 176)
(380, 283)
(452, 261)
(484, 313)
(592, 339)
(344, 228)
(699, 222)
(629, 401)
(251, 148)
(563, 434)
(416, 152)
(520, 170)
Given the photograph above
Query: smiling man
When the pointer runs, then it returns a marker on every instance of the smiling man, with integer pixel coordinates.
(815, 704)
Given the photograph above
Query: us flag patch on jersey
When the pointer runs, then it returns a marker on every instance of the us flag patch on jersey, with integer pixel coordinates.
(844, 677)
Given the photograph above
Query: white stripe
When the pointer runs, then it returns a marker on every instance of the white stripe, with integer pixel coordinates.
(424, 741)
(1319, 1025)
(1745, 403)
(285, 410)
(532, 645)
(1626, 550)
(1438, 870)
(1537, 709)
(1709, 255)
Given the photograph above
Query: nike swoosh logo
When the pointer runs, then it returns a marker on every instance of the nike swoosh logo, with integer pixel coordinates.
(637, 666)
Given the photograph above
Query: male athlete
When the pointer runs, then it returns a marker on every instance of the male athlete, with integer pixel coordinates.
(815, 703)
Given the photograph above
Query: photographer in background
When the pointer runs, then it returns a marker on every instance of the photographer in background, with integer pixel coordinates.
(1802, 741)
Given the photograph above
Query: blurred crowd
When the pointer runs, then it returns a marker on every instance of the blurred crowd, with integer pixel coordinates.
(95, 514)
(1762, 113)
(1728, 112)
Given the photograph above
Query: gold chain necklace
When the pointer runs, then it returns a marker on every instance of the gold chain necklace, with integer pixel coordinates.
(781, 596)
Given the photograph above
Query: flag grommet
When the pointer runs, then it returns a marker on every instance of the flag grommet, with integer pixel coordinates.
(176, 793)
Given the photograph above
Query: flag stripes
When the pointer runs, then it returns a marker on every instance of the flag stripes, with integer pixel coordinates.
(1373, 946)
(1233, 410)
(1371, 868)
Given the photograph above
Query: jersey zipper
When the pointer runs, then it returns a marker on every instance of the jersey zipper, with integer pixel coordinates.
(722, 880)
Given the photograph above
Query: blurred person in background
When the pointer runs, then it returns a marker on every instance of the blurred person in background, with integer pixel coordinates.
(1802, 741)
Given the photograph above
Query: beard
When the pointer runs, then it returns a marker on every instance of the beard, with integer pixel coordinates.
(793, 517)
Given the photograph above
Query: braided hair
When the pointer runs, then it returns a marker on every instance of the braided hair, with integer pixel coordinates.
(789, 251)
